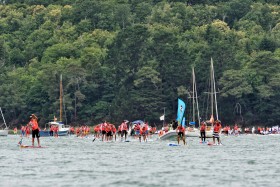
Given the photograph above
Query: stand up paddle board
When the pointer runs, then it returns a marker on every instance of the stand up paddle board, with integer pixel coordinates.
(212, 144)
(173, 144)
(30, 146)
(203, 142)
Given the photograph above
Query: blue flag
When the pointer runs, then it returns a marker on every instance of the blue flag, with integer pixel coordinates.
(181, 110)
(184, 122)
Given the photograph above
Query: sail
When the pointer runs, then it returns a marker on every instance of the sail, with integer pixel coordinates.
(181, 110)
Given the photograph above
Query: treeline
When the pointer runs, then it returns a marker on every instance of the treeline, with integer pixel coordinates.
(130, 59)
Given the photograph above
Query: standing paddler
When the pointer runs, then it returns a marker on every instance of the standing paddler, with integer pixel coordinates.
(35, 129)
(202, 132)
(181, 133)
(216, 132)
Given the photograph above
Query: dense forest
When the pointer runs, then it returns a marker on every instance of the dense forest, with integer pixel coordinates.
(130, 59)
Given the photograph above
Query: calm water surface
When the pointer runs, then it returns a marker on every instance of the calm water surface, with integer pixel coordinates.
(248, 160)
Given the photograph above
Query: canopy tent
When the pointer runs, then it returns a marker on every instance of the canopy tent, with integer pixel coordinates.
(138, 121)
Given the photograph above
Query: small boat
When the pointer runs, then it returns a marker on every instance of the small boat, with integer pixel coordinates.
(170, 135)
(63, 130)
(5, 131)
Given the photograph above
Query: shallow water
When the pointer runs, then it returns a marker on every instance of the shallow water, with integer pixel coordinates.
(248, 160)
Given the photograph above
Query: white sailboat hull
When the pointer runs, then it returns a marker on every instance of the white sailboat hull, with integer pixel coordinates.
(170, 135)
(192, 132)
(4, 132)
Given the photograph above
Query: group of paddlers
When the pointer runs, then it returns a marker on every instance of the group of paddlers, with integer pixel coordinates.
(108, 132)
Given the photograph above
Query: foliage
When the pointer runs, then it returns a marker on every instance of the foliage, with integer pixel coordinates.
(129, 59)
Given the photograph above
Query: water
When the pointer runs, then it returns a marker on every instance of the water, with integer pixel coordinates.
(248, 160)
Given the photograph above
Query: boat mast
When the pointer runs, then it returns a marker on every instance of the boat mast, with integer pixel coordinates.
(214, 91)
(60, 98)
(198, 116)
(193, 95)
(3, 118)
(194, 98)
(212, 88)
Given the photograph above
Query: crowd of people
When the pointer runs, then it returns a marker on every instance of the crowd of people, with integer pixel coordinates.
(106, 131)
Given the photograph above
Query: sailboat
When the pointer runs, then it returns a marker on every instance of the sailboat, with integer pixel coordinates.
(192, 131)
(214, 107)
(63, 130)
(5, 131)
(172, 134)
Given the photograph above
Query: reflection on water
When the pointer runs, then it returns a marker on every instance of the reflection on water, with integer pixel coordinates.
(250, 160)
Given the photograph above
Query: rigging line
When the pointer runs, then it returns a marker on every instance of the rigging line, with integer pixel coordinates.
(238, 110)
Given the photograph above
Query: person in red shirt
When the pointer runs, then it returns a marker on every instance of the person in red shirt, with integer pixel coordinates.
(35, 129)
(15, 130)
(123, 129)
(137, 130)
(103, 130)
(143, 133)
(27, 131)
(51, 130)
(77, 131)
(55, 131)
(202, 132)
(181, 133)
(97, 131)
(114, 131)
(216, 132)
(236, 129)
(108, 131)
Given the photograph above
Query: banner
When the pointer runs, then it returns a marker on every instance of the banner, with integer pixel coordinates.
(181, 110)
(161, 118)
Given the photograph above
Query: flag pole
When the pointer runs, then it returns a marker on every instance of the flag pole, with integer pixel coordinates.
(163, 117)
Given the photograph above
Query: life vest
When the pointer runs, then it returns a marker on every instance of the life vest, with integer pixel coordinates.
(137, 127)
(114, 129)
(144, 129)
(107, 128)
(123, 127)
(181, 129)
(34, 124)
(217, 128)
(202, 128)
(102, 126)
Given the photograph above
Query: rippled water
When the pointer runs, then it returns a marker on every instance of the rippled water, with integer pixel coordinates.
(248, 160)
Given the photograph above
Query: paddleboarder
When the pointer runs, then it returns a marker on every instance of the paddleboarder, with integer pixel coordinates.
(35, 129)
(181, 133)
(123, 129)
(216, 132)
(202, 132)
